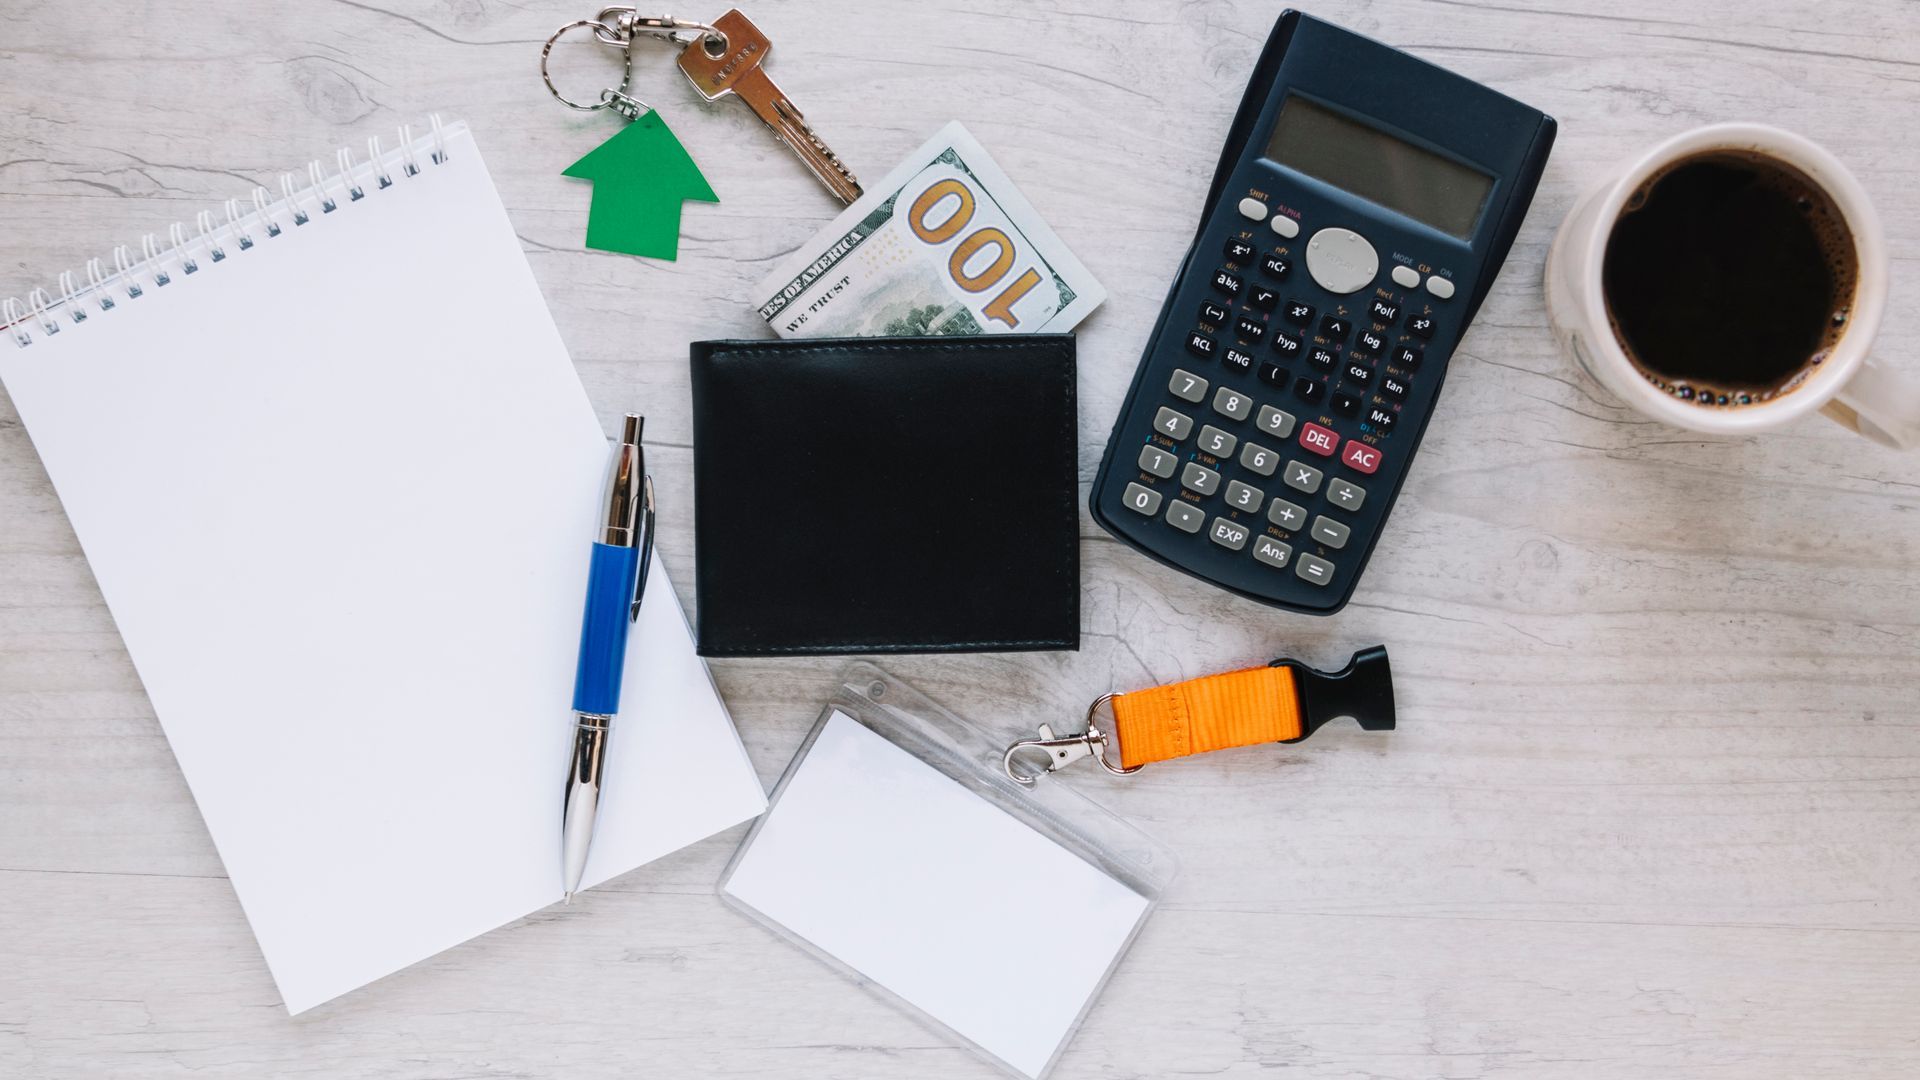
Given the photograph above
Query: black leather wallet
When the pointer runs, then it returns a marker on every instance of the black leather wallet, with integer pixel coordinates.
(885, 495)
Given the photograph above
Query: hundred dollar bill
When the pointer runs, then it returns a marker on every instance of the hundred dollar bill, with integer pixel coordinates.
(944, 245)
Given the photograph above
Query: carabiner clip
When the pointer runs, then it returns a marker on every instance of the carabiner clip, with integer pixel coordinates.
(1062, 751)
(628, 23)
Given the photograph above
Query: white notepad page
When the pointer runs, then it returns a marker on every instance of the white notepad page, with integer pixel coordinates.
(935, 894)
(339, 492)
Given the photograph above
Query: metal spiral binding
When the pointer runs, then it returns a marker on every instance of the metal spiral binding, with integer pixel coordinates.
(187, 252)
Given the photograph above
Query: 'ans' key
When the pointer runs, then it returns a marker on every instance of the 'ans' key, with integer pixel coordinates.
(739, 69)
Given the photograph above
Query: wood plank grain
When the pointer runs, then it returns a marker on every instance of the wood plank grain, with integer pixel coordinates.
(1652, 808)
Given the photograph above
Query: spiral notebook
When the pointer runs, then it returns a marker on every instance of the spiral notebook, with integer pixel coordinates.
(335, 474)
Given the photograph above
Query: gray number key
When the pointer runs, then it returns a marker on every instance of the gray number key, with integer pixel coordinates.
(1141, 498)
(1244, 497)
(1259, 459)
(1230, 402)
(1199, 478)
(1175, 426)
(1275, 422)
(1156, 461)
(1187, 386)
(1216, 442)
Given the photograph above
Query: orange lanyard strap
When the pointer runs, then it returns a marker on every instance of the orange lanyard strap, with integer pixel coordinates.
(1285, 701)
(1215, 712)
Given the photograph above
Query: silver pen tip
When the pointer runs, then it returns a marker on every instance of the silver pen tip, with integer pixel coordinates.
(566, 898)
(630, 431)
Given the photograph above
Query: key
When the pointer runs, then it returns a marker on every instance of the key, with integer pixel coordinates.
(740, 69)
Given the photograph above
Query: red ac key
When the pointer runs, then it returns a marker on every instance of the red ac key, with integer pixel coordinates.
(1318, 439)
(1360, 457)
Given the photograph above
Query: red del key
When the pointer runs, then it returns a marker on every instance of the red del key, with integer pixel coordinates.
(1318, 439)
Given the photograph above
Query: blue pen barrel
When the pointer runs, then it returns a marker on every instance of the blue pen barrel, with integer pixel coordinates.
(603, 629)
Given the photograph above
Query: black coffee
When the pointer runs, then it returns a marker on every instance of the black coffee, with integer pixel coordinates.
(1728, 278)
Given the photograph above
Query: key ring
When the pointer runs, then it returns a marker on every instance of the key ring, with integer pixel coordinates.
(627, 27)
(628, 22)
(607, 97)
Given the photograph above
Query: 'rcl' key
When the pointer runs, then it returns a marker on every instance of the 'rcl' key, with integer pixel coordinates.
(739, 69)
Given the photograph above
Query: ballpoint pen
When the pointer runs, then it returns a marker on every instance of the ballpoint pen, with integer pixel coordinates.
(622, 551)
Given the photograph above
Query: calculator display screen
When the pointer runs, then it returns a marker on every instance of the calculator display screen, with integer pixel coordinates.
(1374, 165)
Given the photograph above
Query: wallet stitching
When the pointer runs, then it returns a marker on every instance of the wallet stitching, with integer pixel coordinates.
(973, 343)
(1068, 428)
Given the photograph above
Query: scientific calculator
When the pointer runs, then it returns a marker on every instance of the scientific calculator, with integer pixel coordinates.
(1362, 206)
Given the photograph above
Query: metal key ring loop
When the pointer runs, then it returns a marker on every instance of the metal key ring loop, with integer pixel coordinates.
(607, 97)
(628, 23)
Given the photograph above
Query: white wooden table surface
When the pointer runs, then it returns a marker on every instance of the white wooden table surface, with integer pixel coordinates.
(1653, 809)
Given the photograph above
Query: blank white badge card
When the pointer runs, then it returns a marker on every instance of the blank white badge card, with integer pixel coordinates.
(944, 899)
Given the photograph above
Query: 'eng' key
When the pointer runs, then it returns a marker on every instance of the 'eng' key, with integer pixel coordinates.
(735, 63)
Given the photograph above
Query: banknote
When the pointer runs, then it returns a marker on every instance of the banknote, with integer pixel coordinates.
(944, 245)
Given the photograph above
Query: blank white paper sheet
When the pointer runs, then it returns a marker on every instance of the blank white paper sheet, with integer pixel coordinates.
(339, 491)
(947, 901)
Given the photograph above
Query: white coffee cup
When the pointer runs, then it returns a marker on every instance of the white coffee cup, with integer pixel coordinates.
(1849, 386)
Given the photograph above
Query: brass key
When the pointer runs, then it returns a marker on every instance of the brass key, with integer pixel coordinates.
(740, 69)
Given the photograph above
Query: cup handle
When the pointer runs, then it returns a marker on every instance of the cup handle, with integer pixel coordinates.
(1881, 404)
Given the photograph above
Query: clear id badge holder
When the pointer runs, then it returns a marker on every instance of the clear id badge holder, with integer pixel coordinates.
(898, 850)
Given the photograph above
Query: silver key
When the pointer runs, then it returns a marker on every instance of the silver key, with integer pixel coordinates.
(740, 69)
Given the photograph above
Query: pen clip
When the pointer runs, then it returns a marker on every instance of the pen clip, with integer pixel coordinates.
(646, 546)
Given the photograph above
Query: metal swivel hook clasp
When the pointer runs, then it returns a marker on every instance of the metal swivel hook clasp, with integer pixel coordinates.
(1062, 751)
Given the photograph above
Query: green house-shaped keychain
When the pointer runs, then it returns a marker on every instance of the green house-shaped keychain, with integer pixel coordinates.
(640, 177)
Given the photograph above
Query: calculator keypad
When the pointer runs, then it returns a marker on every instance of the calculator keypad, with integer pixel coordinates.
(1187, 386)
(1229, 534)
(1231, 403)
(1313, 568)
(1156, 461)
(1290, 516)
(1175, 426)
(1141, 499)
(1199, 479)
(1345, 494)
(1303, 477)
(1287, 401)
(1185, 516)
(1216, 442)
(1275, 422)
(1244, 496)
